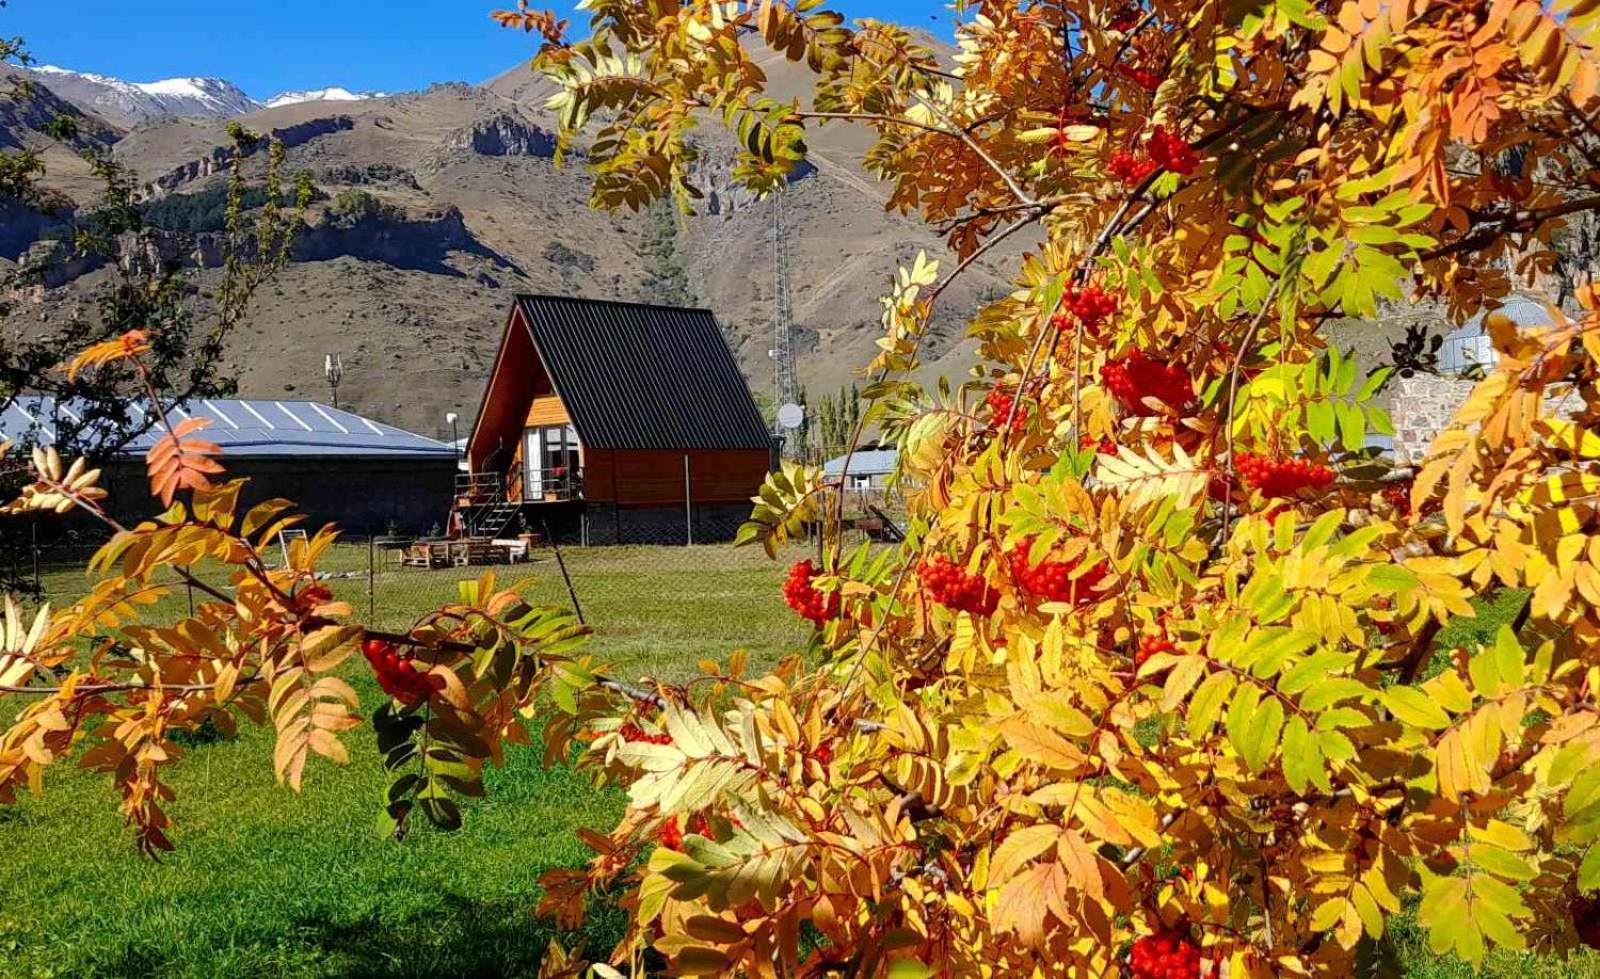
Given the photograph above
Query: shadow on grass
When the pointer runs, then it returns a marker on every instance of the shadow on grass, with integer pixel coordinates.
(456, 936)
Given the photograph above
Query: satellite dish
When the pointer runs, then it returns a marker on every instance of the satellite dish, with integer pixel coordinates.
(791, 416)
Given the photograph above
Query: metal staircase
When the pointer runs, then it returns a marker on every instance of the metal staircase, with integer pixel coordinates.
(492, 520)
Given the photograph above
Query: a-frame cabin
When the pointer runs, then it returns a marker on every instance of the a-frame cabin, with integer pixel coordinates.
(617, 422)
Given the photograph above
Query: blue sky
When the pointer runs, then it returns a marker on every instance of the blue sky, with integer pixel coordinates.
(269, 46)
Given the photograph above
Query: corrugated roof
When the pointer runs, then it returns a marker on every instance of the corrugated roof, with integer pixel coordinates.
(242, 428)
(864, 462)
(644, 377)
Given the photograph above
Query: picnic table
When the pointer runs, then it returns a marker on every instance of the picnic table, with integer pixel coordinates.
(471, 552)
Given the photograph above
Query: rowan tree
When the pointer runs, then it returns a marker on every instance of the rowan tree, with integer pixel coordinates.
(1161, 606)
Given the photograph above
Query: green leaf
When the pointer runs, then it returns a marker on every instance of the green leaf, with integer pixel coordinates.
(1207, 702)
(1261, 737)
(1301, 757)
(1412, 706)
(1589, 870)
(1320, 422)
(1352, 427)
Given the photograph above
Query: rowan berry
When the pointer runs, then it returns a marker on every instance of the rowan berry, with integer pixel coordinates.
(309, 598)
(671, 834)
(1054, 581)
(1164, 955)
(1281, 478)
(633, 732)
(1125, 19)
(1130, 168)
(1170, 152)
(999, 402)
(956, 589)
(806, 598)
(397, 674)
(1142, 77)
(1151, 644)
(1137, 378)
(1091, 304)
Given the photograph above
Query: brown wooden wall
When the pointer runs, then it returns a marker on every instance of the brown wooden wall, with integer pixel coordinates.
(517, 381)
(641, 477)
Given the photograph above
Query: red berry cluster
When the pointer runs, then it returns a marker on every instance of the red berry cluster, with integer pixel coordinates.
(671, 834)
(1145, 78)
(1138, 376)
(1281, 478)
(1170, 152)
(1092, 305)
(1105, 445)
(633, 732)
(999, 402)
(1125, 18)
(805, 598)
(306, 600)
(1399, 497)
(1166, 955)
(1053, 580)
(1130, 168)
(1151, 644)
(397, 674)
(954, 588)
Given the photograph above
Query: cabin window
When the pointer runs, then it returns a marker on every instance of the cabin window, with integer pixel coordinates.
(551, 454)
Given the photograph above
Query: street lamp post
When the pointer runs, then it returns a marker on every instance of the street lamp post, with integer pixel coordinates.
(333, 367)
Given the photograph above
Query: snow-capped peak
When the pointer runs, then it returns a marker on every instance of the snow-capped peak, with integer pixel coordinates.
(334, 94)
(137, 101)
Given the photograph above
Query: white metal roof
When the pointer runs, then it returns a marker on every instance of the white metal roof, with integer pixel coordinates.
(241, 428)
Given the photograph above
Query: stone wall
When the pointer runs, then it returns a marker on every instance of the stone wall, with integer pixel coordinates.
(1421, 407)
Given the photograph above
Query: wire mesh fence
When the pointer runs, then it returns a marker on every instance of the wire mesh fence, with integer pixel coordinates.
(657, 608)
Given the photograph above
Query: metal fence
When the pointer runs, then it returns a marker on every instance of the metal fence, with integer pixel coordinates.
(657, 608)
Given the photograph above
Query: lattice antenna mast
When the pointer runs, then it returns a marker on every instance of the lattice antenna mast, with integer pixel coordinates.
(787, 388)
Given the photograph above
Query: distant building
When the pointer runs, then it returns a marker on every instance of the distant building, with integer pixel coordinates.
(1421, 406)
(870, 467)
(337, 467)
(617, 422)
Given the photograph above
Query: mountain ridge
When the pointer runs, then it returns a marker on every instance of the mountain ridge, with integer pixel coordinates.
(434, 208)
(130, 103)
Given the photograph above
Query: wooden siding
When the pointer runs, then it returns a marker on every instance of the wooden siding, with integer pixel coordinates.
(654, 477)
(547, 409)
(518, 378)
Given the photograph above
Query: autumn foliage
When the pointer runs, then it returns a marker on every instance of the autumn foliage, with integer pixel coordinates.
(1162, 604)
(1152, 686)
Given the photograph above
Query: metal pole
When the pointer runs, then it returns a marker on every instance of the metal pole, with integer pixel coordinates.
(688, 504)
(372, 581)
(38, 585)
(571, 591)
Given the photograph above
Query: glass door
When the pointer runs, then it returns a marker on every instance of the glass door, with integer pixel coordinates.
(533, 464)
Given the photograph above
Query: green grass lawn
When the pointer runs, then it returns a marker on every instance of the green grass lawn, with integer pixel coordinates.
(269, 882)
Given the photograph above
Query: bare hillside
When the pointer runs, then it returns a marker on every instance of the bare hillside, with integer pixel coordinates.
(434, 208)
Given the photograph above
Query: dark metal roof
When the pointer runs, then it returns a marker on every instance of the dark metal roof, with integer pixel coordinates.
(644, 377)
(242, 429)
